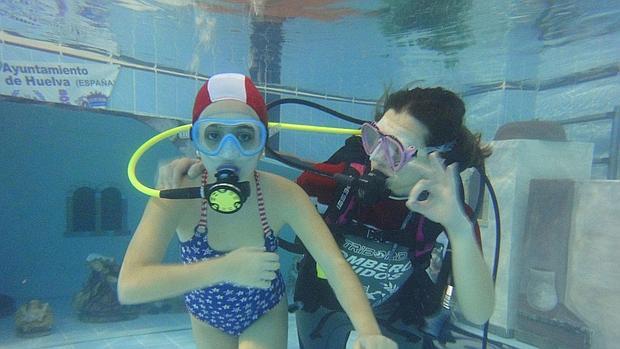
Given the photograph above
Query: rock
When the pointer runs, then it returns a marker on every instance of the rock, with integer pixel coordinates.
(98, 300)
(34, 319)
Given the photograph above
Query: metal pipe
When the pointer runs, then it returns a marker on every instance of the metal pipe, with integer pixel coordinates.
(586, 118)
(614, 145)
(130, 62)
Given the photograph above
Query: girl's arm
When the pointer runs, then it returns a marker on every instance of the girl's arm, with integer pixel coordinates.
(143, 277)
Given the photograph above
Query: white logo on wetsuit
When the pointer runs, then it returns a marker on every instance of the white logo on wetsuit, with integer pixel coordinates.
(382, 267)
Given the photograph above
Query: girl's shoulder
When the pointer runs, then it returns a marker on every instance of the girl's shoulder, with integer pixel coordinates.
(280, 193)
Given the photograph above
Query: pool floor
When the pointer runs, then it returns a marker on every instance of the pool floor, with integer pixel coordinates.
(164, 330)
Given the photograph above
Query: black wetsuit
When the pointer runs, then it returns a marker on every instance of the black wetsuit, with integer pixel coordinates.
(389, 248)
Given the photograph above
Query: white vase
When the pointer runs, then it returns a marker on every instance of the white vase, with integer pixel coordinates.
(541, 293)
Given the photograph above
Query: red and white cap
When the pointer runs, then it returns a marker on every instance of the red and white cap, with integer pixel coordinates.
(230, 86)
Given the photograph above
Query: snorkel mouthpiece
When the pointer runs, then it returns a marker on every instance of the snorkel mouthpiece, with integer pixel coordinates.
(227, 194)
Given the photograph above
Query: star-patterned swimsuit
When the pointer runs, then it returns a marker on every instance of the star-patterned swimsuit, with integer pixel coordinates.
(226, 306)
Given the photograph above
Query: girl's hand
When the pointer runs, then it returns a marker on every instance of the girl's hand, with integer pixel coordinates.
(437, 194)
(251, 267)
(171, 175)
(376, 341)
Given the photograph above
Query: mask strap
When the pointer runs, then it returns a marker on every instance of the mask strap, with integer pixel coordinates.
(444, 148)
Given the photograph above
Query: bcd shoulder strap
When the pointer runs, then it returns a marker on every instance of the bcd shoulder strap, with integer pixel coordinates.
(338, 211)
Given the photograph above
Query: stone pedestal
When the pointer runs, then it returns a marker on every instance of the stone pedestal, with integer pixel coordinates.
(557, 328)
(543, 319)
(512, 166)
(593, 279)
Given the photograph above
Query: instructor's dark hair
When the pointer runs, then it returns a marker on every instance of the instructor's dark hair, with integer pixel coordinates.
(442, 112)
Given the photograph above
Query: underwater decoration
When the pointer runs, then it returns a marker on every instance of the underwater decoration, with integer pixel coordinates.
(98, 300)
(34, 319)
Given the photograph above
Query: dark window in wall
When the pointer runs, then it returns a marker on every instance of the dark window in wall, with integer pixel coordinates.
(93, 213)
(83, 212)
(111, 210)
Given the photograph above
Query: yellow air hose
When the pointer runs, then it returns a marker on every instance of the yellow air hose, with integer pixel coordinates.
(133, 161)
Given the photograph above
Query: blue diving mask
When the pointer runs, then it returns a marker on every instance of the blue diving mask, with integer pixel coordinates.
(211, 135)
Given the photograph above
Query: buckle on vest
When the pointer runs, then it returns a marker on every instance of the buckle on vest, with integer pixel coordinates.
(375, 235)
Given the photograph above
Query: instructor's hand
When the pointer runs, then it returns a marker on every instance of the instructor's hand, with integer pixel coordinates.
(442, 204)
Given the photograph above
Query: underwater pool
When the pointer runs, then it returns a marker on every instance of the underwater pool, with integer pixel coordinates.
(85, 83)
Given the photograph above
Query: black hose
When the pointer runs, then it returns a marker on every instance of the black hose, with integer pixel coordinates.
(485, 334)
(303, 164)
(316, 106)
(294, 161)
(481, 185)
(465, 333)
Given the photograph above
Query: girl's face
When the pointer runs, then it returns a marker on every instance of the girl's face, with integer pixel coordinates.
(410, 132)
(230, 139)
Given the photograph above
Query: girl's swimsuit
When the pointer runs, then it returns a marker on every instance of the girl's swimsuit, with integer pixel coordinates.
(229, 307)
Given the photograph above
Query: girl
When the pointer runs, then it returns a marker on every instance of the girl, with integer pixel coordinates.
(230, 273)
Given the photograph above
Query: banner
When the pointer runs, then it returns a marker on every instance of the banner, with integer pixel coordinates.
(85, 84)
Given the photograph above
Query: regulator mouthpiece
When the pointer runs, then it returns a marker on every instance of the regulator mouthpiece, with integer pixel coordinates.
(371, 188)
(227, 194)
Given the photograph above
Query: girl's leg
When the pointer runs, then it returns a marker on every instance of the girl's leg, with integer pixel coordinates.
(208, 337)
(269, 331)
